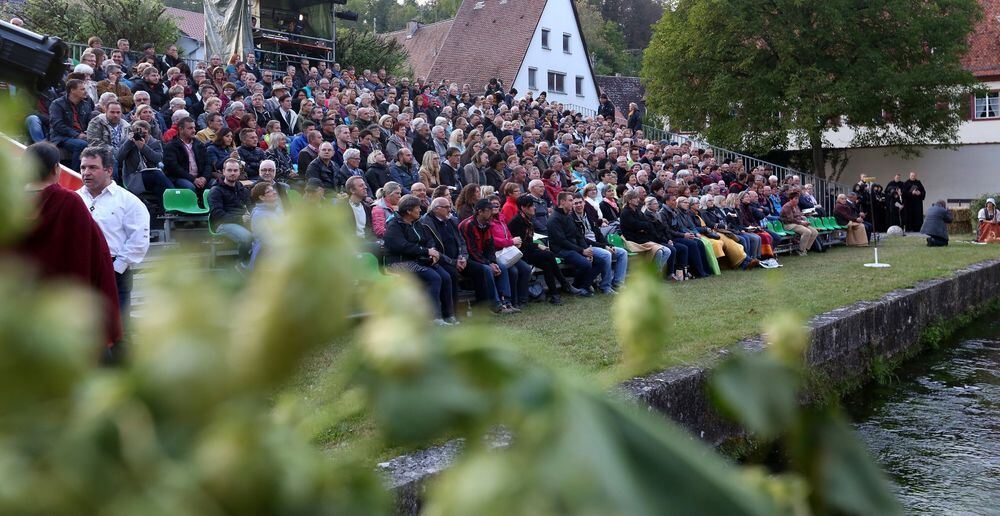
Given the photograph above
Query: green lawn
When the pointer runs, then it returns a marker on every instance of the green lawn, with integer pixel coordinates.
(710, 313)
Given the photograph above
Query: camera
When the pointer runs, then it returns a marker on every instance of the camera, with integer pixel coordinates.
(139, 135)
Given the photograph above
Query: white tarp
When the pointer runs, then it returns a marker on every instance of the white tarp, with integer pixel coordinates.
(227, 28)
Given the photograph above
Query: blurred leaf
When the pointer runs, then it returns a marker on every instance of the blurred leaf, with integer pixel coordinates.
(758, 391)
(643, 314)
(787, 339)
(849, 479)
(586, 455)
(298, 299)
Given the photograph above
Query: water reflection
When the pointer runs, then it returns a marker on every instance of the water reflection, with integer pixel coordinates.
(936, 427)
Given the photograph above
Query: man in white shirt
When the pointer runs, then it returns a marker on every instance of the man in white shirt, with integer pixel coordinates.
(122, 217)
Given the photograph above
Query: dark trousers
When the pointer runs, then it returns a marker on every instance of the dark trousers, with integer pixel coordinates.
(546, 261)
(482, 281)
(520, 277)
(584, 270)
(124, 283)
(454, 275)
(115, 354)
(678, 257)
(696, 258)
(936, 241)
(438, 284)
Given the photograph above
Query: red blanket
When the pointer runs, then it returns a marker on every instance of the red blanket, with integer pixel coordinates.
(66, 243)
(989, 232)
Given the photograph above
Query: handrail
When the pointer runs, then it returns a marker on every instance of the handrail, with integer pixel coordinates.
(824, 190)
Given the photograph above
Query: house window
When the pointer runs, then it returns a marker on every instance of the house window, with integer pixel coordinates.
(579, 85)
(557, 82)
(987, 106)
(566, 43)
(545, 38)
(532, 81)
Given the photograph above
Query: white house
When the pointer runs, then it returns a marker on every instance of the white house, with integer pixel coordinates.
(534, 45)
(974, 167)
(191, 42)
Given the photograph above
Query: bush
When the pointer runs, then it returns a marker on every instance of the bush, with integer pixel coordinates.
(975, 206)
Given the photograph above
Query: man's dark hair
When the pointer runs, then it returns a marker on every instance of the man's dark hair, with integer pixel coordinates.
(103, 152)
(524, 201)
(793, 195)
(212, 116)
(307, 125)
(283, 97)
(184, 122)
(563, 196)
(46, 158)
(73, 84)
(452, 151)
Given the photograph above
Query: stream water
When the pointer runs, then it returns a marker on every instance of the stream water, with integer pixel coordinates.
(935, 426)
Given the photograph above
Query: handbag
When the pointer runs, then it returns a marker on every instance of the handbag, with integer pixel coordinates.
(508, 256)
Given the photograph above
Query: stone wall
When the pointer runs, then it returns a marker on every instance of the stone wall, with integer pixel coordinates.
(845, 344)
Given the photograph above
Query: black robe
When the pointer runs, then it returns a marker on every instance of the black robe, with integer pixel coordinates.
(913, 199)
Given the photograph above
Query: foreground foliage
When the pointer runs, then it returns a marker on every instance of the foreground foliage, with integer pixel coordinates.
(191, 425)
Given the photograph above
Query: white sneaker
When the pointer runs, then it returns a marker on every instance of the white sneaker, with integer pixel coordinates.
(441, 322)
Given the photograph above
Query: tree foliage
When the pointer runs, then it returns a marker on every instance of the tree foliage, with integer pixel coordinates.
(756, 76)
(634, 17)
(139, 21)
(365, 50)
(605, 41)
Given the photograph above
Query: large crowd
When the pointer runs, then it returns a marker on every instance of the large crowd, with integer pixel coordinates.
(482, 188)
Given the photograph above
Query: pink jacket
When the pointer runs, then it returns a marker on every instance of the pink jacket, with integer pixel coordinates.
(501, 235)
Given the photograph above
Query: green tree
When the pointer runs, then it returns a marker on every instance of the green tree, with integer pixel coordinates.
(762, 75)
(604, 41)
(139, 21)
(635, 17)
(365, 50)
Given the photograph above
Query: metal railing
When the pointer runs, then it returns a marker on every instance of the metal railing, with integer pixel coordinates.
(825, 191)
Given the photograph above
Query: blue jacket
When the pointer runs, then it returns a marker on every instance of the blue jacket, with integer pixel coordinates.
(404, 177)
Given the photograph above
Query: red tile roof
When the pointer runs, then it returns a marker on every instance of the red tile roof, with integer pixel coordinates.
(488, 38)
(983, 58)
(423, 45)
(190, 23)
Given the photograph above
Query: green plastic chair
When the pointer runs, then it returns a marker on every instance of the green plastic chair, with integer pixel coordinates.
(184, 201)
(369, 262)
(616, 240)
(774, 227)
(817, 223)
(204, 196)
(781, 229)
(832, 221)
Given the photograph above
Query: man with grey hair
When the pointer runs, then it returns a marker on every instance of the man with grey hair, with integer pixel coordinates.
(350, 168)
(536, 189)
(440, 140)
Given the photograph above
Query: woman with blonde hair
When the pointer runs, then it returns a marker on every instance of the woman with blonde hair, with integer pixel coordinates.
(430, 170)
(457, 140)
(384, 209)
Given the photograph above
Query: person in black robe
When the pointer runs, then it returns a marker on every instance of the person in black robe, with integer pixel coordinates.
(913, 203)
(880, 213)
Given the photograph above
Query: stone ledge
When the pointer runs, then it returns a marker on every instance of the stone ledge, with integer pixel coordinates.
(844, 343)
